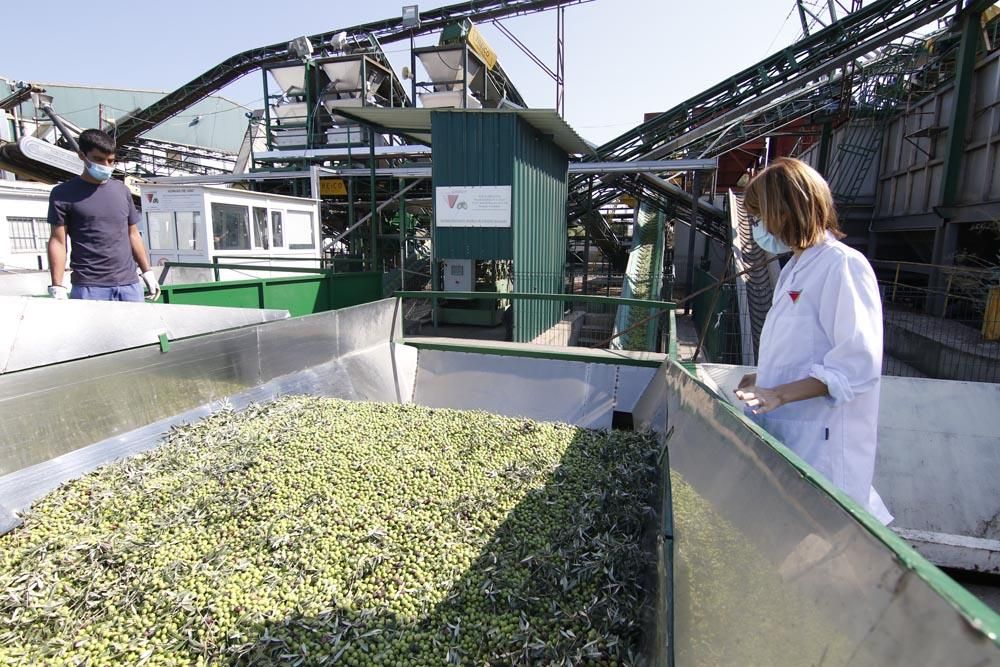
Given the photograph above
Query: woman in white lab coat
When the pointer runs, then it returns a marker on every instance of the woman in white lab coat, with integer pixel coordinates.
(817, 382)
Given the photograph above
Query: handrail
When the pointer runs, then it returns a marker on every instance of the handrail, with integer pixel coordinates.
(243, 267)
(541, 296)
(322, 260)
(941, 267)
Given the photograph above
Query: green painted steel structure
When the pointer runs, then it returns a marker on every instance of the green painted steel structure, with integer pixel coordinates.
(481, 149)
(300, 295)
(471, 150)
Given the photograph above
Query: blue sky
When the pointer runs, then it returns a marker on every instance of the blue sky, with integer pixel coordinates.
(623, 57)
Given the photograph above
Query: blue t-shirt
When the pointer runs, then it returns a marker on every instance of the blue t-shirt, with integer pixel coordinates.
(97, 219)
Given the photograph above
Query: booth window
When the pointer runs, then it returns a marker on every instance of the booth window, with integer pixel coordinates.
(188, 230)
(277, 230)
(28, 234)
(231, 227)
(260, 228)
(161, 230)
(299, 228)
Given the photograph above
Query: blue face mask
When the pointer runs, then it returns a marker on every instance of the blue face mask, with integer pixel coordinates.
(768, 241)
(99, 172)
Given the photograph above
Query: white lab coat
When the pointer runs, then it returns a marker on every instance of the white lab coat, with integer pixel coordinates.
(826, 322)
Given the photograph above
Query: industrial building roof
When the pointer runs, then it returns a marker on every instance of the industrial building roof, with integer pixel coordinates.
(416, 123)
(213, 123)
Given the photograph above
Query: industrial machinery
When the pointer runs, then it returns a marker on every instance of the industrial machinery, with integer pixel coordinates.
(464, 72)
(348, 72)
(759, 559)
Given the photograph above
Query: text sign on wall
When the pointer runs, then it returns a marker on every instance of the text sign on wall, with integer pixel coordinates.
(172, 199)
(475, 206)
(332, 187)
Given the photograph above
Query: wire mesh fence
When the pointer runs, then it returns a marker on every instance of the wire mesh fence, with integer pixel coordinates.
(951, 333)
(944, 328)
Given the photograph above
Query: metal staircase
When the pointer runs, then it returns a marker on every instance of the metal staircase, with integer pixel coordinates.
(882, 89)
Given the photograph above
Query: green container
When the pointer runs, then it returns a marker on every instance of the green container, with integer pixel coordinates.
(301, 295)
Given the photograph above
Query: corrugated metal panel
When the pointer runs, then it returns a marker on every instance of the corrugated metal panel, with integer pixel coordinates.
(498, 148)
(416, 123)
(539, 220)
(914, 147)
(222, 125)
(473, 149)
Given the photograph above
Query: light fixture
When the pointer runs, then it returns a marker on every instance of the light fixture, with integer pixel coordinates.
(411, 16)
(301, 47)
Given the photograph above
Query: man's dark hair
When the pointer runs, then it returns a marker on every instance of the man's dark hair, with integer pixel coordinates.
(96, 140)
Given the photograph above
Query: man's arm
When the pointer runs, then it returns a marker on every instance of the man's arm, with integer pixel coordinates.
(57, 254)
(142, 259)
(138, 248)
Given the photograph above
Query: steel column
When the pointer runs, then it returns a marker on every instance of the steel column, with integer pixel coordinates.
(946, 235)
(373, 252)
(692, 232)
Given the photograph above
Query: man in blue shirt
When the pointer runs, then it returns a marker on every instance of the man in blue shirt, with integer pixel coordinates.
(97, 213)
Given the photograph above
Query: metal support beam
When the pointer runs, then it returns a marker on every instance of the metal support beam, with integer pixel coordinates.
(380, 208)
(314, 182)
(946, 235)
(402, 234)
(373, 250)
(958, 123)
(689, 281)
(561, 61)
(802, 17)
(640, 166)
(826, 139)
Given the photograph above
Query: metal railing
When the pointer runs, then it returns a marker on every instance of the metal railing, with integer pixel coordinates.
(337, 263)
(585, 320)
(952, 332)
(946, 329)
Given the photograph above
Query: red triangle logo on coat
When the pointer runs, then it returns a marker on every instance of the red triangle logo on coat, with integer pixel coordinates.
(794, 294)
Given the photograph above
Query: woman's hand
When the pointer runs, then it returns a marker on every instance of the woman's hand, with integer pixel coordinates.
(761, 400)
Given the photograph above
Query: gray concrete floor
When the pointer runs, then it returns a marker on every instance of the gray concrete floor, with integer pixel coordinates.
(687, 337)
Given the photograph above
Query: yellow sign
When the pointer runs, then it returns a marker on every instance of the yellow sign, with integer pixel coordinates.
(482, 47)
(332, 187)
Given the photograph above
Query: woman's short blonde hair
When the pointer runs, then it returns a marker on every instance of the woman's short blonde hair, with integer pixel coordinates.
(794, 202)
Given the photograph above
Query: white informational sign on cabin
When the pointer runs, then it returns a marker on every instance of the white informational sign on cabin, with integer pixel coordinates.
(474, 206)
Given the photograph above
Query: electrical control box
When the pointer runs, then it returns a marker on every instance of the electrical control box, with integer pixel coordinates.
(459, 275)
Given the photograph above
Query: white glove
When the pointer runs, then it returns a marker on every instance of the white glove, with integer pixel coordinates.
(151, 284)
(58, 292)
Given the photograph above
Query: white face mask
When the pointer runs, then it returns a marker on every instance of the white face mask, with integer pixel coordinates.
(768, 241)
(99, 172)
